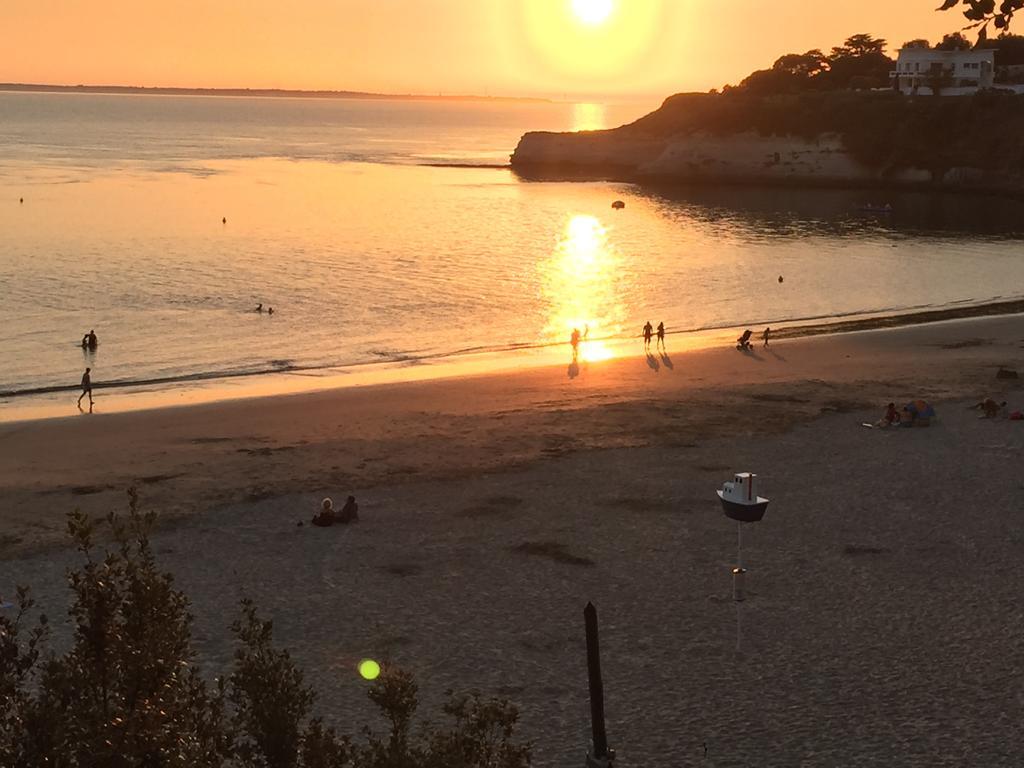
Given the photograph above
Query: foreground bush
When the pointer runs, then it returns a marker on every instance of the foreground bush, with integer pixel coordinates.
(127, 694)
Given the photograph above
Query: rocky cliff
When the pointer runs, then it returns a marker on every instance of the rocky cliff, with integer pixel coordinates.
(814, 140)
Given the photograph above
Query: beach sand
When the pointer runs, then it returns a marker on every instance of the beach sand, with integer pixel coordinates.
(882, 625)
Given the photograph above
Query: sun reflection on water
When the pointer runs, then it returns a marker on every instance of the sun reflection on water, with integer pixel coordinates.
(588, 117)
(580, 287)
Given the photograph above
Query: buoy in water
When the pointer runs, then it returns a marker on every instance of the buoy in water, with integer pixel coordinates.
(618, 205)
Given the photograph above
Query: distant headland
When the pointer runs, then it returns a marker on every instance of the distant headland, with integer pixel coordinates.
(852, 118)
(257, 92)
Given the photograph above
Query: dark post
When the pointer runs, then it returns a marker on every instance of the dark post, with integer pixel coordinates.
(600, 755)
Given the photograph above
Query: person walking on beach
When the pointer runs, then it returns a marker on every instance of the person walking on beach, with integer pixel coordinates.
(765, 335)
(86, 388)
(661, 336)
(648, 329)
(575, 341)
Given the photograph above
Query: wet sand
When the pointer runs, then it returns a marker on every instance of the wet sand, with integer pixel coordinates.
(880, 628)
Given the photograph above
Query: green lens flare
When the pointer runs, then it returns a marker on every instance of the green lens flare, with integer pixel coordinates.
(369, 669)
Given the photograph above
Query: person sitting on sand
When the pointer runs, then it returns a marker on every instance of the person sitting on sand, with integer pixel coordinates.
(892, 416)
(990, 408)
(325, 516)
(350, 512)
(743, 342)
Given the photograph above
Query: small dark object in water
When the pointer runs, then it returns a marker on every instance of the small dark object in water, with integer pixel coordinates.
(224, 220)
(618, 205)
(1007, 373)
(780, 278)
(21, 199)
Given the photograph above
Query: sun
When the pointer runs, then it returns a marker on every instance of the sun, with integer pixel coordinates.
(593, 12)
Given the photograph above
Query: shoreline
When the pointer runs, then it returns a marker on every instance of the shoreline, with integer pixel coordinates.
(627, 174)
(202, 456)
(211, 387)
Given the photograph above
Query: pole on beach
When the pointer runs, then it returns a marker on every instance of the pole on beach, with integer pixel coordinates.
(600, 756)
(738, 577)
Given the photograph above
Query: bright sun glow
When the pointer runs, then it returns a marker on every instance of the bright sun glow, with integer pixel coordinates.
(593, 12)
(580, 284)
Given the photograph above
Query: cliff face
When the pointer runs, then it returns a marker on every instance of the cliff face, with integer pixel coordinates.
(941, 143)
(701, 157)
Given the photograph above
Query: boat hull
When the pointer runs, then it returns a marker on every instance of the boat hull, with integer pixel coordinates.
(744, 513)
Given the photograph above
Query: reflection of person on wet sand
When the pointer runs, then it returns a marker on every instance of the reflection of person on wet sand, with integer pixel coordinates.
(575, 341)
(648, 329)
(661, 336)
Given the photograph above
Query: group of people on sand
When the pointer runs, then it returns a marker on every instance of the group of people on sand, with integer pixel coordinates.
(915, 414)
(743, 342)
(89, 340)
(649, 331)
(259, 308)
(327, 515)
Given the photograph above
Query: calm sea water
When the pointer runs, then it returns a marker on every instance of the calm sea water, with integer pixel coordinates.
(371, 256)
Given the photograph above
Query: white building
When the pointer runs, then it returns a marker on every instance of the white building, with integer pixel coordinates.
(966, 71)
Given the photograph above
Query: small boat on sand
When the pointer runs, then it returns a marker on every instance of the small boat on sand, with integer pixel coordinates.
(740, 502)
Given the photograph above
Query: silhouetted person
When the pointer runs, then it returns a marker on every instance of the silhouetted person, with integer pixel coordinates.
(648, 329)
(743, 342)
(892, 416)
(350, 512)
(85, 341)
(224, 220)
(259, 307)
(575, 341)
(661, 335)
(93, 341)
(86, 388)
(325, 517)
(765, 335)
(21, 199)
(270, 310)
(586, 331)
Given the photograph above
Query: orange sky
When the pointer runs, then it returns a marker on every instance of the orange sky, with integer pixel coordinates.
(499, 47)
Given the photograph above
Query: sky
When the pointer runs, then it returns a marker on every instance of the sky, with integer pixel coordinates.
(549, 48)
